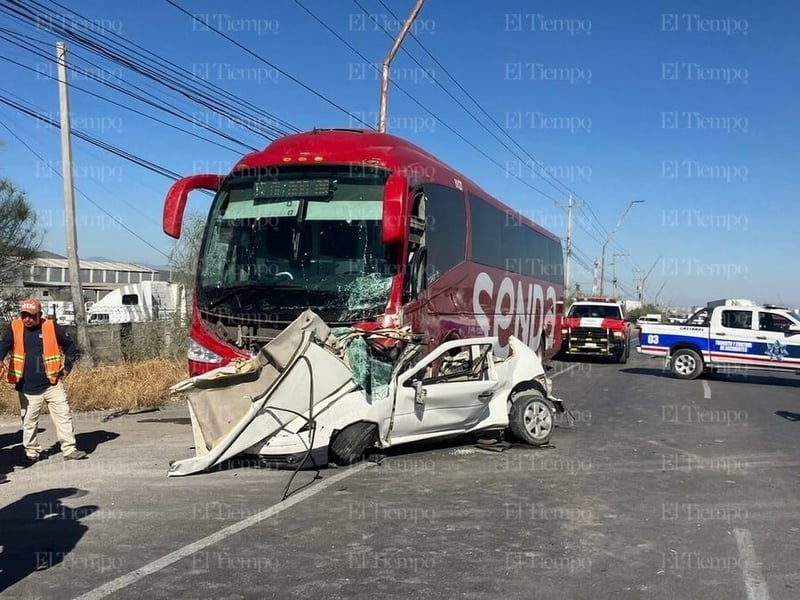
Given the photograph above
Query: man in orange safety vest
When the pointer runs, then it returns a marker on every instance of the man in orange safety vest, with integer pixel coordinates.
(42, 355)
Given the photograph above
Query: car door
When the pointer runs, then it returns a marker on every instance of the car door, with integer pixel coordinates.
(447, 393)
(733, 337)
(777, 340)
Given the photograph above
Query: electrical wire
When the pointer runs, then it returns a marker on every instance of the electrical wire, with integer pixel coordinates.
(312, 429)
(289, 76)
(159, 70)
(95, 204)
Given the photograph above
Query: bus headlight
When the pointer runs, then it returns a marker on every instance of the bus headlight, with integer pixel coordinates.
(199, 353)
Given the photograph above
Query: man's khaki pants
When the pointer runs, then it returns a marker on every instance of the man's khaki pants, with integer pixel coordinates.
(31, 408)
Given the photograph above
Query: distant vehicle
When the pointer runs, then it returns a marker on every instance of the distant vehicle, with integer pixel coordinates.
(649, 318)
(725, 333)
(596, 327)
(60, 311)
(145, 301)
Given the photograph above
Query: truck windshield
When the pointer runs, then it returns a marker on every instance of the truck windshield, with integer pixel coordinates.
(292, 239)
(594, 311)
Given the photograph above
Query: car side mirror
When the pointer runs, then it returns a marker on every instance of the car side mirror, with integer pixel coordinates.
(419, 392)
(793, 330)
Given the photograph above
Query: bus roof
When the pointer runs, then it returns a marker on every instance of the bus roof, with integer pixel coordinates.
(369, 148)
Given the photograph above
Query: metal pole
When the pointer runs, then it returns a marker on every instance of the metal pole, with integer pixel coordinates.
(603, 263)
(568, 268)
(614, 270)
(69, 207)
(388, 60)
(608, 239)
(648, 275)
(655, 300)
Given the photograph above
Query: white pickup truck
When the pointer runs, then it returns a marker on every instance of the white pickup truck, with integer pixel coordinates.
(727, 334)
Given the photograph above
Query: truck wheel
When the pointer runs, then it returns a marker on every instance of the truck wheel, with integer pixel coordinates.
(531, 418)
(687, 364)
(351, 443)
(622, 357)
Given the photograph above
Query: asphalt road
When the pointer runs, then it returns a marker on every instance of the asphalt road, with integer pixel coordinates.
(660, 489)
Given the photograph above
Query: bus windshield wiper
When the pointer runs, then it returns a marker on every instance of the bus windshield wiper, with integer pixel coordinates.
(237, 290)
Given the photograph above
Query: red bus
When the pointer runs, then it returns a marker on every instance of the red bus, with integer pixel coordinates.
(365, 228)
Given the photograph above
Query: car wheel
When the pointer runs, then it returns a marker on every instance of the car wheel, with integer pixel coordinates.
(686, 364)
(531, 418)
(351, 442)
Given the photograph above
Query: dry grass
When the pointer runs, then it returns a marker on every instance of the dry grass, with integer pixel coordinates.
(130, 385)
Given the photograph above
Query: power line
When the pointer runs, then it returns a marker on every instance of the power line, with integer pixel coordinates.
(131, 109)
(163, 72)
(170, 69)
(95, 204)
(427, 110)
(558, 185)
(305, 86)
(95, 141)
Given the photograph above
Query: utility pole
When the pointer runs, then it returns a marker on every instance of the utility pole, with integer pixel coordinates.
(614, 269)
(594, 280)
(568, 266)
(382, 108)
(641, 292)
(608, 239)
(655, 300)
(638, 282)
(69, 207)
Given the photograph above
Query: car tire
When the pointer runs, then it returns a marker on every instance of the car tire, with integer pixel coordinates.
(531, 418)
(686, 364)
(351, 442)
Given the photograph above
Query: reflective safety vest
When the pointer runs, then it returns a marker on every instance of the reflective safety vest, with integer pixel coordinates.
(51, 353)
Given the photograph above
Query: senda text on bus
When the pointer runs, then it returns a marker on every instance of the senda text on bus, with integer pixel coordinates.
(370, 230)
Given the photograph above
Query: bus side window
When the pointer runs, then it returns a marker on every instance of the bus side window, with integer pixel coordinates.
(416, 263)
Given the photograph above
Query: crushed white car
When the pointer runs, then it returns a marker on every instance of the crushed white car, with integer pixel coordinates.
(310, 397)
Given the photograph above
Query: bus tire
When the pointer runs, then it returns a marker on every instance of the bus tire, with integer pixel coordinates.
(686, 364)
(351, 442)
(531, 418)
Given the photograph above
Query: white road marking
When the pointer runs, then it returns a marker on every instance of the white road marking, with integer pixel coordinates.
(125, 580)
(564, 371)
(706, 390)
(754, 582)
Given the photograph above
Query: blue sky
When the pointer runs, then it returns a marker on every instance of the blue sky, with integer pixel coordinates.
(688, 106)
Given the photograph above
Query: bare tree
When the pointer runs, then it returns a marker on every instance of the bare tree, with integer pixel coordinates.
(185, 251)
(20, 238)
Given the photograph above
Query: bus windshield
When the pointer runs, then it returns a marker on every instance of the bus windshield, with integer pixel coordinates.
(293, 239)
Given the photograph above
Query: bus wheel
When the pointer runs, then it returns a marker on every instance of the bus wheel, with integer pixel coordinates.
(531, 418)
(686, 364)
(351, 442)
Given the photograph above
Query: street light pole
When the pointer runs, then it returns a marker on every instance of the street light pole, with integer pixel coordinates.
(608, 239)
(614, 270)
(641, 292)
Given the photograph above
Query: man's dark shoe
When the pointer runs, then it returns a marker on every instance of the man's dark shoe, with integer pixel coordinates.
(76, 455)
(30, 459)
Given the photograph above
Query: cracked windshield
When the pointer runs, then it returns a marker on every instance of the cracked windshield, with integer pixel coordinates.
(296, 240)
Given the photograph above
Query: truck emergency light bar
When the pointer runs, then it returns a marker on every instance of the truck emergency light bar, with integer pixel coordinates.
(730, 302)
(588, 299)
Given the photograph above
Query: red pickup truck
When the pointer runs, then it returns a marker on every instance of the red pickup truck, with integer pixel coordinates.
(596, 327)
